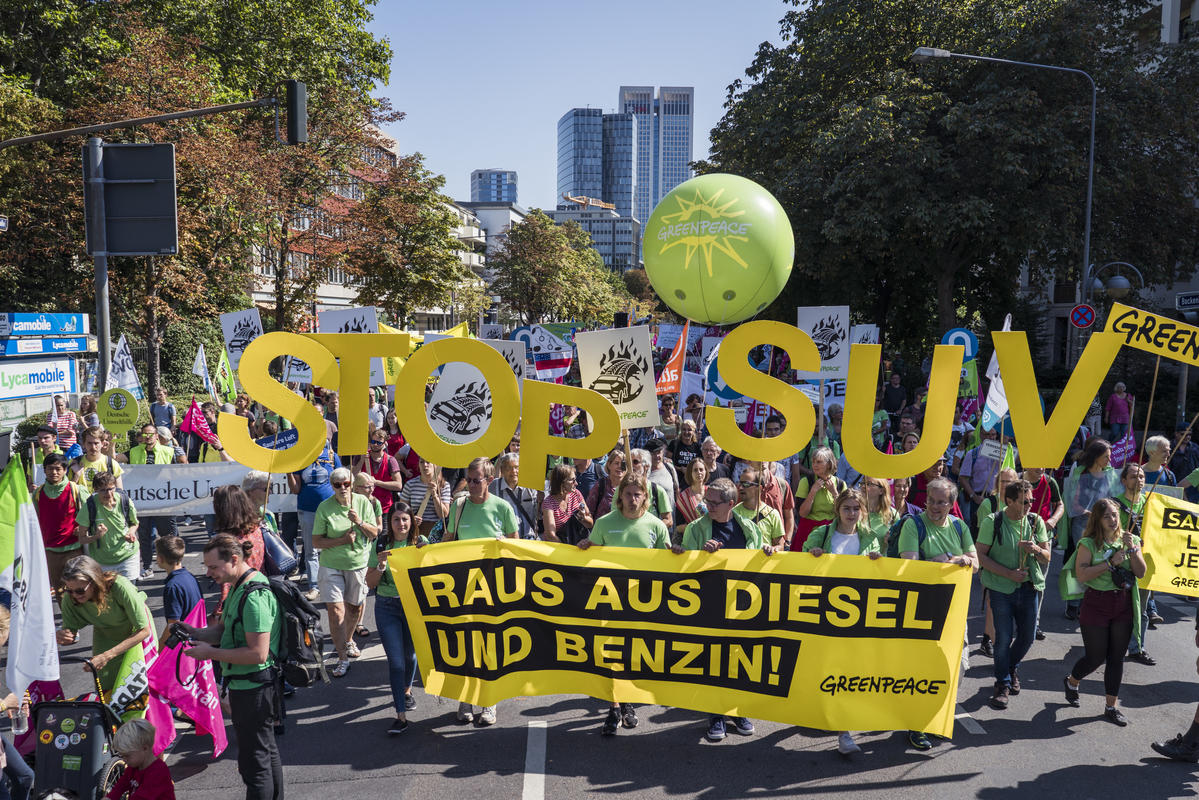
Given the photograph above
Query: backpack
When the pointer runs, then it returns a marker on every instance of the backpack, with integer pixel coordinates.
(77, 465)
(301, 640)
(122, 498)
(997, 524)
(921, 533)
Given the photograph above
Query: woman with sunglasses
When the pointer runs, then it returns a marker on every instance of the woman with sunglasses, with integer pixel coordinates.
(402, 531)
(599, 499)
(382, 470)
(117, 611)
(345, 526)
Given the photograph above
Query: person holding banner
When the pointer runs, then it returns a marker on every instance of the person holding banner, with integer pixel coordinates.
(523, 500)
(628, 525)
(344, 526)
(751, 507)
(1132, 509)
(564, 513)
(880, 514)
(819, 495)
(115, 608)
(1014, 552)
(1109, 561)
(660, 502)
(402, 531)
(1094, 480)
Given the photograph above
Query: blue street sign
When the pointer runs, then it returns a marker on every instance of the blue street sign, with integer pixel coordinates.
(36, 324)
(46, 345)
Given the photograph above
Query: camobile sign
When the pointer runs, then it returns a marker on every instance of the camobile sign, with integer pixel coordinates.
(36, 377)
(35, 324)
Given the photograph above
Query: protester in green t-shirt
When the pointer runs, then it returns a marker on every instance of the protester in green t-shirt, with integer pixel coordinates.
(246, 640)
(765, 517)
(629, 524)
(1013, 550)
(402, 531)
(342, 530)
(112, 536)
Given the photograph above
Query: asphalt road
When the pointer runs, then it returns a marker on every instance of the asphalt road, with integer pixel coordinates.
(550, 747)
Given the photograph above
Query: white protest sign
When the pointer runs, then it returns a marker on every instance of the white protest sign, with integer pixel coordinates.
(618, 363)
(354, 320)
(178, 489)
(829, 328)
(240, 328)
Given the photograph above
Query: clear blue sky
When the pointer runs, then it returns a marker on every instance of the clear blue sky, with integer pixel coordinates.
(484, 83)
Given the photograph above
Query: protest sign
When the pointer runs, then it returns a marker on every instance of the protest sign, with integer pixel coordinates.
(179, 489)
(1170, 535)
(240, 328)
(838, 643)
(619, 364)
(829, 328)
(364, 319)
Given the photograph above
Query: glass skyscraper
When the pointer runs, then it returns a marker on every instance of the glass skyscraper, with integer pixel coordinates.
(581, 153)
(493, 186)
(620, 160)
(665, 125)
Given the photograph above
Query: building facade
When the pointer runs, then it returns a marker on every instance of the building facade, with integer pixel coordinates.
(493, 186)
(620, 162)
(581, 152)
(665, 132)
(617, 237)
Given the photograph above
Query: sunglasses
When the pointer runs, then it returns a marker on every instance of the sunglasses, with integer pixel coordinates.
(340, 484)
(748, 484)
(77, 592)
(476, 481)
(712, 502)
(377, 443)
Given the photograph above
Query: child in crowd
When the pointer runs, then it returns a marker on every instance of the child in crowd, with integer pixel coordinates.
(181, 592)
(146, 776)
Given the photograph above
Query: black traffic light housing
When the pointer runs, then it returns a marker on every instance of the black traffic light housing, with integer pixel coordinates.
(297, 112)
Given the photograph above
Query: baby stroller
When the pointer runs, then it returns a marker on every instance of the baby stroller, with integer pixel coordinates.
(74, 753)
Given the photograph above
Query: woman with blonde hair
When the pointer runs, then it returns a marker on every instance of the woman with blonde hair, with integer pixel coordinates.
(878, 513)
(819, 493)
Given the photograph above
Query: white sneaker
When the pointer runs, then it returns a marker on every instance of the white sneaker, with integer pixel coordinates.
(487, 717)
(846, 745)
(466, 713)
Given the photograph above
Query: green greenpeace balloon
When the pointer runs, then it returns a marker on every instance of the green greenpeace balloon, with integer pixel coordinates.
(718, 249)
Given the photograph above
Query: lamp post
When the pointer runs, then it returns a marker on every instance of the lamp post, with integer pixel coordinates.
(927, 53)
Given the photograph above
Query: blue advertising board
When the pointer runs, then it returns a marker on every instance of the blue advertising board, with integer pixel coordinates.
(37, 377)
(38, 324)
(45, 345)
(284, 440)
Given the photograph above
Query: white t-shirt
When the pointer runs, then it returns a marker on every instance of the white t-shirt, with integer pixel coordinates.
(844, 544)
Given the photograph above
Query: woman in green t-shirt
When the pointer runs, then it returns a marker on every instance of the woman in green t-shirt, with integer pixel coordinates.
(402, 531)
(115, 608)
(1106, 555)
(819, 494)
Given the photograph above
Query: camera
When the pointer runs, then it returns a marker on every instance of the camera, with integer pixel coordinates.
(176, 637)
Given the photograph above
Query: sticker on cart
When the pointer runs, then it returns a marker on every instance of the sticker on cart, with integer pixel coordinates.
(73, 763)
(68, 725)
(61, 741)
(45, 737)
(75, 739)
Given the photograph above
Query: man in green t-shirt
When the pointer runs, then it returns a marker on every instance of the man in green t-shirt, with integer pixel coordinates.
(765, 517)
(1013, 550)
(246, 639)
(480, 515)
(112, 536)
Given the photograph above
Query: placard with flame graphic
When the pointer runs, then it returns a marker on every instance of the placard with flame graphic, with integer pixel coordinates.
(618, 364)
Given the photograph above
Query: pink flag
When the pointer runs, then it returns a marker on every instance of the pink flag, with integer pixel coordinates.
(194, 422)
(748, 428)
(1123, 450)
(191, 685)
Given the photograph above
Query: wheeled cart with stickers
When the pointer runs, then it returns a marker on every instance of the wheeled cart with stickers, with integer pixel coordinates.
(74, 746)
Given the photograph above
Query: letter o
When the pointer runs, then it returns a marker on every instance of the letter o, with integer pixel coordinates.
(410, 401)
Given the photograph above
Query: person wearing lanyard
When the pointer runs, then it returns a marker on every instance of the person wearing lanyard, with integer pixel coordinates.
(1013, 552)
(1106, 554)
(384, 472)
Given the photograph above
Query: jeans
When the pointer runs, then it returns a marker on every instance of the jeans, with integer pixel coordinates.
(1118, 431)
(1017, 611)
(289, 528)
(311, 558)
(397, 644)
(253, 716)
(18, 777)
(150, 527)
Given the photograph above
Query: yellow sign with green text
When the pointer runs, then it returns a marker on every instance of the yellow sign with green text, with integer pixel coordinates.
(832, 642)
(1170, 535)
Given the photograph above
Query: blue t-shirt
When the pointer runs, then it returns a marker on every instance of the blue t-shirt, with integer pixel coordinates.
(314, 482)
(180, 594)
(162, 414)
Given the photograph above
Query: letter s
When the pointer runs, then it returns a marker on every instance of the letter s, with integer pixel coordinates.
(260, 386)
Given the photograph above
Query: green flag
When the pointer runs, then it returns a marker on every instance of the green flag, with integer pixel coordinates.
(226, 387)
(1009, 459)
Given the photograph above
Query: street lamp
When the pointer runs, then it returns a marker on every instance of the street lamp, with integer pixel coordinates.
(1117, 286)
(926, 53)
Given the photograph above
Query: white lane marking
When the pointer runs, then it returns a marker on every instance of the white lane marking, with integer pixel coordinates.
(535, 763)
(969, 723)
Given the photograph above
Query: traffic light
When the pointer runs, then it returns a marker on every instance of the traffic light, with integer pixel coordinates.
(297, 112)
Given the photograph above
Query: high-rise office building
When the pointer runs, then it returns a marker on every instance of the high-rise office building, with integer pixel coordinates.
(581, 153)
(620, 162)
(493, 186)
(664, 134)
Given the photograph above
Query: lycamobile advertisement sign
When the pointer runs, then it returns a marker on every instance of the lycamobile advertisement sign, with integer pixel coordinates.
(36, 377)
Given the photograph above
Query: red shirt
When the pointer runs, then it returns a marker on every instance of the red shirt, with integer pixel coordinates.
(152, 783)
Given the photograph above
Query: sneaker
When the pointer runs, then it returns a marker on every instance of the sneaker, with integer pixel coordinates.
(409, 702)
(1071, 693)
(1142, 658)
(340, 669)
(716, 729)
(147, 574)
(312, 594)
(743, 726)
(999, 697)
(1040, 635)
(846, 746)
(487, 715)
(288, 689)
(1178, 749)
(1014, 685)
(986, 648)
(612, 723)
(919, 740)
(466, 712)
(1155, 618)
(1071, 612)
(397, 726)
(628, 715)
(1113, 714)
(352, 650)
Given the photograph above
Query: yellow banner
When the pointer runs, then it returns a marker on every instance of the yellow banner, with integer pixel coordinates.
(1155, 334)
(1170, 537)
(831, 642)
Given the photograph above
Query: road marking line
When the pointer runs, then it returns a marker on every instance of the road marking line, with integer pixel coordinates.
(535, 763)
(969, 723)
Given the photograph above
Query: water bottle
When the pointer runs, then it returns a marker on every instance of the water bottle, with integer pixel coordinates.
(20, 721)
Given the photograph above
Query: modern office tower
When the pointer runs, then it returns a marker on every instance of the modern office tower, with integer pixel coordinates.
(665, 122)
(581, 153)
(493, 186)
(617, 237)
(620, 162)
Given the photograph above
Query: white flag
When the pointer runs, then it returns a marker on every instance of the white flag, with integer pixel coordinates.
(32, 650)
(122, 374)
(996, 406)
(200, 370)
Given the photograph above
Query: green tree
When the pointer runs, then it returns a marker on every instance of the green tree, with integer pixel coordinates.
(550, 272)
(918, 192)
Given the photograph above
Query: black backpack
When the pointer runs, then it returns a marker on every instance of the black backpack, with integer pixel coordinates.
(921, 533)
(122, 498)
(301, 640)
